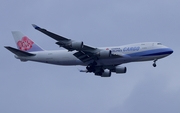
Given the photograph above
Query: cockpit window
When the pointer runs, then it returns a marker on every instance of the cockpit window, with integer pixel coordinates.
(159, 44)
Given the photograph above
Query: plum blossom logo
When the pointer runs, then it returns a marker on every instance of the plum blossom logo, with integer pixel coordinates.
(25, 44)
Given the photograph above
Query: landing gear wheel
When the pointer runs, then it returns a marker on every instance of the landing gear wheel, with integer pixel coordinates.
(91, 67)
(154, 65)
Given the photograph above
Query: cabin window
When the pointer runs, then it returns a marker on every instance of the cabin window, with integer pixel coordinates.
(159, 44)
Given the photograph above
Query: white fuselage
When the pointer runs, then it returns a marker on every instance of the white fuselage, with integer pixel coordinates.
(127, 53)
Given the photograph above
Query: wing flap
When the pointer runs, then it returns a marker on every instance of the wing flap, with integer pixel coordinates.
(84, 57)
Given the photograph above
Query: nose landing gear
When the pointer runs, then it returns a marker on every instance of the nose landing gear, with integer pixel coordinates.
(154, 64)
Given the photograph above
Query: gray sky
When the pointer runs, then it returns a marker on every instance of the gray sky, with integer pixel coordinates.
(36, 87)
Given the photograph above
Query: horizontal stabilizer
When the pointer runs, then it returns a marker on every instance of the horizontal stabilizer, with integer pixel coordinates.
(19, 52)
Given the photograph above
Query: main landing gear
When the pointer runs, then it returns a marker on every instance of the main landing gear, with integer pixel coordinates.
(154, 64)
(91, 67)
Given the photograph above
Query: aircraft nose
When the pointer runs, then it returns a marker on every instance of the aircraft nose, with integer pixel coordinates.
(169, 50)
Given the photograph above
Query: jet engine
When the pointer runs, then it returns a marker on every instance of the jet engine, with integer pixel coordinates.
(106, 73)
(76, 45)
(104, 54)
(120, 69)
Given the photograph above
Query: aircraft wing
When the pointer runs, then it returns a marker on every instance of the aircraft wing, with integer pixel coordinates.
(84, 52)
(52, 35)
(62, 41)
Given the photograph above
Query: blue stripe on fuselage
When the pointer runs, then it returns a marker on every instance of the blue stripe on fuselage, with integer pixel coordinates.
(153, 52)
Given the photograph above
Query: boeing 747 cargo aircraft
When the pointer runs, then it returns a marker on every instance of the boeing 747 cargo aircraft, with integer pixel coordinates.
(101, 61)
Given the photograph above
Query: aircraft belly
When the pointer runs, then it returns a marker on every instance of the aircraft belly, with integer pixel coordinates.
(116, 61)
(111, 61)
(66, 59)
(57, 58)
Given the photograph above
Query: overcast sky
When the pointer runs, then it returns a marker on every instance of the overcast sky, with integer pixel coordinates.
(42, 88)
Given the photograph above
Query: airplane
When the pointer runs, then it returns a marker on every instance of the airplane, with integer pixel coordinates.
(101, 61)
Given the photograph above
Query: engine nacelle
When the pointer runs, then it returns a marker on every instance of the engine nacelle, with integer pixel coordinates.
(120, 69)
(104, 54)
(76, 45)
(106, 73)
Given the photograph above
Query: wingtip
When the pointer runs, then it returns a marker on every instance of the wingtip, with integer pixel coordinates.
(35, 26)
(6, 47)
